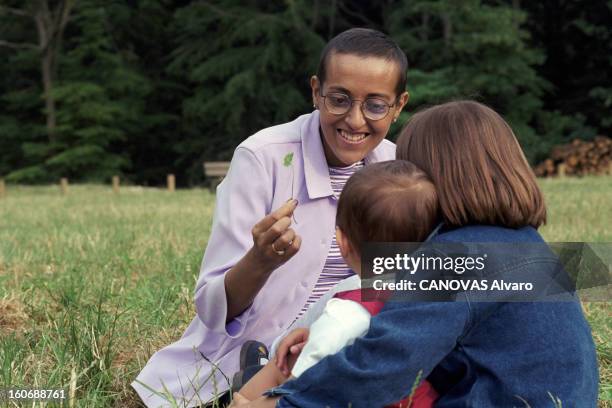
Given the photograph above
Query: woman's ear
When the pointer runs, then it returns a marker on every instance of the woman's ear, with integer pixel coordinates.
(316, 91)
(343, 243)
(401, 102)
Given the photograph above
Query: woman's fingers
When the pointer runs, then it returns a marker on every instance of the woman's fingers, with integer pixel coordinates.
(284, 240)
(286, 210)
(274, 242)
(293, 247)
(274, 232)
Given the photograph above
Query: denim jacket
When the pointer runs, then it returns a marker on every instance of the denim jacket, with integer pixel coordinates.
(476, 354)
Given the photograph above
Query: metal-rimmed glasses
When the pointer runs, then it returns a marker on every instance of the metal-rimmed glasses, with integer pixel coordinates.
(338, 103)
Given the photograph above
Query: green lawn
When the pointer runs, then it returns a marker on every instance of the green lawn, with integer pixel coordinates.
(92, 283)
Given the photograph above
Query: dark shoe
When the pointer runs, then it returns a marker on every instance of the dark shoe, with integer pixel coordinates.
(253, 353)
(253, 356)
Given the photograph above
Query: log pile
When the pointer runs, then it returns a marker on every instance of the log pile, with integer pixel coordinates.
(578, 158)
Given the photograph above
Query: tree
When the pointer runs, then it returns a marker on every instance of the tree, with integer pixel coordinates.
(469, 48)
(50, 21)
(248, 66)
(578, 43)
(100, 99)
(98, 102)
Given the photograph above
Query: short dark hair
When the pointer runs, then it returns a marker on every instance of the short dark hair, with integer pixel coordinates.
(365, 42)
(392, 201)
(472, 156)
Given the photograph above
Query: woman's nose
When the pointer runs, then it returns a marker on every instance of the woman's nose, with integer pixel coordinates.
(354, 117)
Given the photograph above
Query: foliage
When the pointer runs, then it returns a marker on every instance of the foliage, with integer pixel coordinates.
(470, 49)
(252, 73)
(153, 87)
(578, 43)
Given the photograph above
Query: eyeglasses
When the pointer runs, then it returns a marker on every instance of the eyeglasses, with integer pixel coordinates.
(338, 103)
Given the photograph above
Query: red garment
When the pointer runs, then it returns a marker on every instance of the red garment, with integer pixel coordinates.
(425, 395)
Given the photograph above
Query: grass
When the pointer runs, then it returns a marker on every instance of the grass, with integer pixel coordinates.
(92, 283)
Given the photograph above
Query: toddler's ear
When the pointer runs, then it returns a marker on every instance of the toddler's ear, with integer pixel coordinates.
(343, 243)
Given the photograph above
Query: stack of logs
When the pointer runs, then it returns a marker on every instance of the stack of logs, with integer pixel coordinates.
(578, 158)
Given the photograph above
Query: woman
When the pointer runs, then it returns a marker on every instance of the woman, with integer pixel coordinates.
(268, 258)
(475, 354)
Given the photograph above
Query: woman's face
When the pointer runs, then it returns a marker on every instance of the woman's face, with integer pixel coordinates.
(349, 137)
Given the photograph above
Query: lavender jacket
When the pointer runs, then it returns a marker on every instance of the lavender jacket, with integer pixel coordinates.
(200, 365)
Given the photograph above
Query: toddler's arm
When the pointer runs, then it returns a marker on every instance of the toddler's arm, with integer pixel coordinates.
(340, 324)
(268, 377)
(290, 348)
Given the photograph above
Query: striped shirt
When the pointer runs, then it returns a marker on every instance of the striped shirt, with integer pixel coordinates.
(335, 269)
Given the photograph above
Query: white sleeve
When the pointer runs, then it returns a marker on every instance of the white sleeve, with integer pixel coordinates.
(340, 324)
(316, 309)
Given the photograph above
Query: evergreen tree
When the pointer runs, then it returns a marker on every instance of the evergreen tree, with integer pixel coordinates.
(98, 101)
(248, 66)
(577, 37)
(21, 119)
(34, 30)
(143, 31)
(468, 48)
(157, 86)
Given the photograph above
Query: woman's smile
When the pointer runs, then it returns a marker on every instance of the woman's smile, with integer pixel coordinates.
(352, 138)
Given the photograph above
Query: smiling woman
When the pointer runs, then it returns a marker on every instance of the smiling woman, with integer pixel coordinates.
(256, 277)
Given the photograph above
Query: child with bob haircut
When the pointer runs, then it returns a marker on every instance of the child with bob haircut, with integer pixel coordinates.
(474, 354)
(390, 201)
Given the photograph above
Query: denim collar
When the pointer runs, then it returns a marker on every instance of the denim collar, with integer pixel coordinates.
(435, 232)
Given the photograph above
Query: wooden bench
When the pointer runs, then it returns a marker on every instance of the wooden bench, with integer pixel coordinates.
(214, 173)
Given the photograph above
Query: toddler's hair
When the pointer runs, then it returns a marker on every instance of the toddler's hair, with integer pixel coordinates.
(392, 201)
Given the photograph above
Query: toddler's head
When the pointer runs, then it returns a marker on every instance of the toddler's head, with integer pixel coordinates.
(392, 201)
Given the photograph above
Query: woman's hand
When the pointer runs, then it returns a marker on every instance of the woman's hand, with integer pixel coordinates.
(290, 346)
(274, 243)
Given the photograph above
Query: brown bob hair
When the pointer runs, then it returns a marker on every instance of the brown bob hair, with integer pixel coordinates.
(392, 201)
(477, 165)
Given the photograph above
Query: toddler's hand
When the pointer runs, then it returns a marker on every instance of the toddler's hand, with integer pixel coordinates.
(291, 345)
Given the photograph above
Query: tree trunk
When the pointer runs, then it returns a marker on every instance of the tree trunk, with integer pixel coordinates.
(332, 20)
(50, 25)
(47, 78)
(315, 15)
(424, 27)
(448, 28)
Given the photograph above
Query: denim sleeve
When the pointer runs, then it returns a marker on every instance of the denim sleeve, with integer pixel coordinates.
(405, 342)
